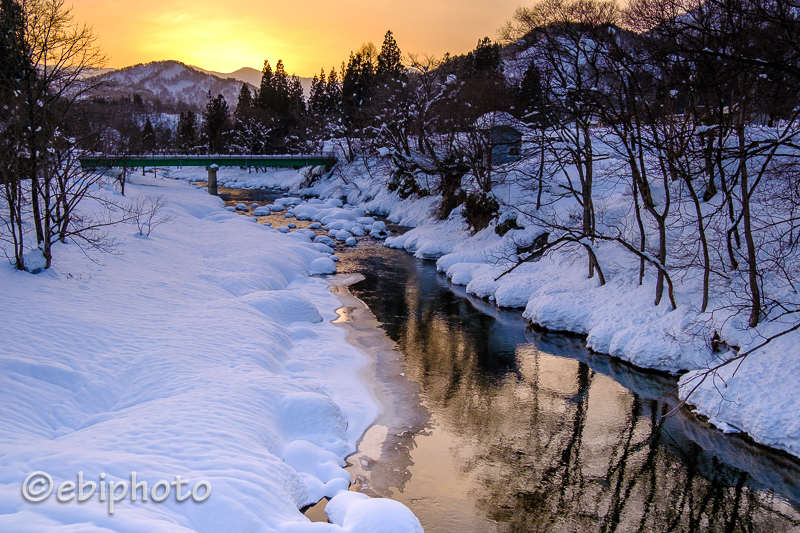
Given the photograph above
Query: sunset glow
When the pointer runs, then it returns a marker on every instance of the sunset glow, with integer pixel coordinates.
(227, 36)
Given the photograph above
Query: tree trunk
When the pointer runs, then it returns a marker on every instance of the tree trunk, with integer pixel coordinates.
(701, 230)
(752, 261)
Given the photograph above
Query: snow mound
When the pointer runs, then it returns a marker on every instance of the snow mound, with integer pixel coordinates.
(324, 239)
(323, 265)
(283, 306)
(35, 261)
(358, 513)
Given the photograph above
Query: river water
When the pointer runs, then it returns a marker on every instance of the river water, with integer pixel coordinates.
(491, 425)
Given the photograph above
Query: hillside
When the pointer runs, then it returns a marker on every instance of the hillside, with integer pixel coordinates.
(169, 83)
(245, 74)
(253, 77)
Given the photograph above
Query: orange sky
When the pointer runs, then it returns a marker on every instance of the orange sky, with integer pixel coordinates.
(307, 35)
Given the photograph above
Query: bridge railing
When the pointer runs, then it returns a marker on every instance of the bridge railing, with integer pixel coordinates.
(231, 160)
(176, 155)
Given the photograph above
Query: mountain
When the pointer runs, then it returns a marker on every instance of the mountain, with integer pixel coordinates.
(245, 74)
(170, 84)
(176, 85)
(253, 77)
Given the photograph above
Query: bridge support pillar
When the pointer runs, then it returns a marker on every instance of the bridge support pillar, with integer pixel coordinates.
(212, 179)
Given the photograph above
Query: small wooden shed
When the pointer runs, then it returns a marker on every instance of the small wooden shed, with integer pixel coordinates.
(504, 135)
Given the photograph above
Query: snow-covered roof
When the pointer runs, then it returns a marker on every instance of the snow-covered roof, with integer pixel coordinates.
(499, 118)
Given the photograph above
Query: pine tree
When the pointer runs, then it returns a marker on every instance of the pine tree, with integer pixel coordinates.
(148, 137)
(485, 60)
(14, 62)
(245, 104)
(266, 92)
(280, 84)
(297, 104)
(357, 87)
(187, 131)
(531, 94)
(390, 60)
(216, 118)
(317, 100)
(333, 94)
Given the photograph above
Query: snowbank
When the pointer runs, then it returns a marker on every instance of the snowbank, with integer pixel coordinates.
(203, 351)
(618, 318)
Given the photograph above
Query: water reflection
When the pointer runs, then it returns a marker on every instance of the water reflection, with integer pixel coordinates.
(232, 196)
(529, 431)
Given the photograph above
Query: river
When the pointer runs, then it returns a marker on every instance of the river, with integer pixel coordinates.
(492, 425)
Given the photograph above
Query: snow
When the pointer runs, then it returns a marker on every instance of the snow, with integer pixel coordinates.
(35, 261)
(204, 351)
(343, 235)
(323, 265)
(356, 512)
(619, 318)
(325, 240)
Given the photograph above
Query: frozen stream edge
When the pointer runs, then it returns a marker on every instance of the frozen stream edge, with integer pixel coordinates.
(382, 453)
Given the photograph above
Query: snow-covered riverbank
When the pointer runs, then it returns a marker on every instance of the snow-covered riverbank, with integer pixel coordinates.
(203, 351)
(619, 318)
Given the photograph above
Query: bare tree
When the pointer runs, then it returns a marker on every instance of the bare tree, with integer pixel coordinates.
(565, 38)
(61, 56)
(146, 212)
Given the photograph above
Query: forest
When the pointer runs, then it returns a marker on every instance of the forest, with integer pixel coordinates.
(691, 106)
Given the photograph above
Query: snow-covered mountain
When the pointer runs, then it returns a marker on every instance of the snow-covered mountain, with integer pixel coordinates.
(245, 74)
(170, 83)
(253, 77)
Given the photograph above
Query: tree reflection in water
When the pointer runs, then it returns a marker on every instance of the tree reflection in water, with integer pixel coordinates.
(555, 438)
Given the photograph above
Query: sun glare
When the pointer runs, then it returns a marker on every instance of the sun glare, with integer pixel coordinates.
(239, 33)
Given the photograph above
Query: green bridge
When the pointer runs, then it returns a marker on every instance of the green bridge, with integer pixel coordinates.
(244, 161)
(211, 162)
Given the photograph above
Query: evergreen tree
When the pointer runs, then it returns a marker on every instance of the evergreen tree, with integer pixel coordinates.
(266, 92)
(281, 108)
(390, 60)
(531, 94)
(357, 87)
(245, 104)
(333, 94)
(280, 85)
(216, 118)
(297, 105)
(281, 96)
(485, 60)
(14, 62)
(317, 99)
(187, 131)
(148, 137)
